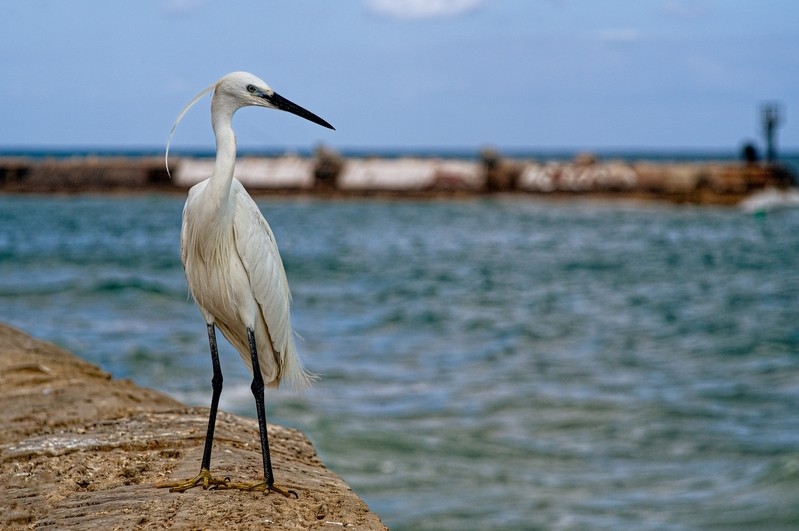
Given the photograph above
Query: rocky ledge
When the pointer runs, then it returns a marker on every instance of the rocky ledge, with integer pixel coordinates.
(81, 450)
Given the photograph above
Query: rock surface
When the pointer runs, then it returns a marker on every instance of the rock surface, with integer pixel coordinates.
(81, 450)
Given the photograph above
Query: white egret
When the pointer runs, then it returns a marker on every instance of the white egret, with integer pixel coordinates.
(234, 271)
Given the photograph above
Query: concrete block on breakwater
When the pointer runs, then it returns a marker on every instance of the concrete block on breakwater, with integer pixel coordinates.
(287, 172)
(81, 174)
(572, 177)
(409, 174)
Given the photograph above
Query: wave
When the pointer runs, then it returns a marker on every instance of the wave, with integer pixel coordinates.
(91, 287)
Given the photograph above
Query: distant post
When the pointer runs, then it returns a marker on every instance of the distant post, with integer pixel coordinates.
(771, 117)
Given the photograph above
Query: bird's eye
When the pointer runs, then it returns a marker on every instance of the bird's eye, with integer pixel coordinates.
(251, 88)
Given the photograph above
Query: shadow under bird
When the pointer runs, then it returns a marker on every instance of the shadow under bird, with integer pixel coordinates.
(234, 271)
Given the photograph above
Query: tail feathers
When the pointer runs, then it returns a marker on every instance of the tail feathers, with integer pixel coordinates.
(293, 373)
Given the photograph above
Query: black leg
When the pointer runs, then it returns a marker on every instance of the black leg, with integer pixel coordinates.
(216, 383)
(257, 388)
(204, 478)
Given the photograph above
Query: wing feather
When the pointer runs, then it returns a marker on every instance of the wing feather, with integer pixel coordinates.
(258, 251)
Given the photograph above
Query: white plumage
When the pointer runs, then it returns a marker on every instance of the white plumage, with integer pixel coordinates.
(236, 276)
(234, 270)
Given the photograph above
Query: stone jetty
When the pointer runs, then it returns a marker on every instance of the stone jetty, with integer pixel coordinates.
(81, 450)
(723, 182)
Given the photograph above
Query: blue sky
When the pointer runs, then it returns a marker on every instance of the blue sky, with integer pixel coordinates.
(531, 74)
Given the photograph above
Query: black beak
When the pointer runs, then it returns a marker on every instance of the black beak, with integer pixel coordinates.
(279, 102)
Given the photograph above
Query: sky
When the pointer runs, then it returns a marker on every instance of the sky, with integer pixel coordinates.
(404, 74)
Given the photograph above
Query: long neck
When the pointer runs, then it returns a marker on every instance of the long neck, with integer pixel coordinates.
(221, 118)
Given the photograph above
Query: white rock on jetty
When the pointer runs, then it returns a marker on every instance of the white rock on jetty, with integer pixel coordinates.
(256, 172)
(409, 174)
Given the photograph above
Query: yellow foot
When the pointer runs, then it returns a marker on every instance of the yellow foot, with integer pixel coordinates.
(261, 486)
(203, 479)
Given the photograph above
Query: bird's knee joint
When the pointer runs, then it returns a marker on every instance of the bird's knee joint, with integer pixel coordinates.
(257, 386)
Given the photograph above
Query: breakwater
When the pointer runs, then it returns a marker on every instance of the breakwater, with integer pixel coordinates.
(328, 173)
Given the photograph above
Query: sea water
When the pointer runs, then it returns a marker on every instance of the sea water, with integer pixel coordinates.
(490, 363)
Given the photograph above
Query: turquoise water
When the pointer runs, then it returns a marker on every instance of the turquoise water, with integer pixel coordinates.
(502, 363)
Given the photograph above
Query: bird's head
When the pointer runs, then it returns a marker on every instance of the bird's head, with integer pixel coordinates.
(241, 89)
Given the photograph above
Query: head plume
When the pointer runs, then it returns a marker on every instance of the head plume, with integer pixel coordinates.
(188, 106)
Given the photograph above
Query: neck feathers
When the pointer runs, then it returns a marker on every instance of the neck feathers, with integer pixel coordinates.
(221, 118)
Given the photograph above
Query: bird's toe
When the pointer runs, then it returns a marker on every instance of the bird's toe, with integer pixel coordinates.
(203, 479)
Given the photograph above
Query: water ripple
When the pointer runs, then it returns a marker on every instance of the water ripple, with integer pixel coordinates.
(497, 363)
